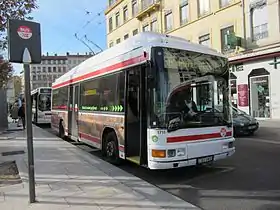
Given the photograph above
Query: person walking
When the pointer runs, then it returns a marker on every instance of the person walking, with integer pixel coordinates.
(19, 102)
(21, 113)
(14, 112)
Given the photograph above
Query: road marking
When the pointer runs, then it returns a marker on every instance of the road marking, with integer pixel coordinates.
(261, 140)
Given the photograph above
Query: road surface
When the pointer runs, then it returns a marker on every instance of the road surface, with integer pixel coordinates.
(248, 180)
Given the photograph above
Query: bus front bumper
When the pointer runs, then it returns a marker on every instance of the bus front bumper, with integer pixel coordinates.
(157, 165)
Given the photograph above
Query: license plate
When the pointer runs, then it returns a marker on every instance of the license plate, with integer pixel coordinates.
(205, 160)
(252, 127)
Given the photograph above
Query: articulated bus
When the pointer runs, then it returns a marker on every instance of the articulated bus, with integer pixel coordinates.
(151, 100)
(41, 105)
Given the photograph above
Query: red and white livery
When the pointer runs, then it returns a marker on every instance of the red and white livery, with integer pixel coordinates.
(156, 100)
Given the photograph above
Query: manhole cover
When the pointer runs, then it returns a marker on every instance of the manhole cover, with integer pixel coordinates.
(13, 153)
(9, 173)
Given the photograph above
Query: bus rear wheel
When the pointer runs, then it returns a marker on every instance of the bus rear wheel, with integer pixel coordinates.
(111, 148)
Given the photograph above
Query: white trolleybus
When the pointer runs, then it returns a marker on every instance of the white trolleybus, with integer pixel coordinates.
(150, 100)
(41, 105)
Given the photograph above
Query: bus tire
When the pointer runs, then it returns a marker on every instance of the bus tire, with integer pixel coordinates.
(61, 132)
(111, 148)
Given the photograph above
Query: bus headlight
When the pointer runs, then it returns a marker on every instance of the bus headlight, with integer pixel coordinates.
(171, 153)
(181, 152)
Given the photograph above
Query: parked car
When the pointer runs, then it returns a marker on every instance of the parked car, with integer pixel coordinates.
(243, 124)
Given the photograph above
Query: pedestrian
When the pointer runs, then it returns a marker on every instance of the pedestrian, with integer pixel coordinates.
(14, 112)
(21, 113)
(19, 102)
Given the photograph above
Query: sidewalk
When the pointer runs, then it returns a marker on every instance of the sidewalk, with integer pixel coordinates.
(70, 178)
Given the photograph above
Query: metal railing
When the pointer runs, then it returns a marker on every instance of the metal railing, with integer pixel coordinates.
(145, 4)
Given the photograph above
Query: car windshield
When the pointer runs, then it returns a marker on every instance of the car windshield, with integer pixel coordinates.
(188, 87)
(44, 103)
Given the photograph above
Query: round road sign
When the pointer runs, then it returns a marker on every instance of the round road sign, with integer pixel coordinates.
(24, 32)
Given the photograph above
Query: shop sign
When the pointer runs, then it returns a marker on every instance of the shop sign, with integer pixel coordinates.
(243, 95)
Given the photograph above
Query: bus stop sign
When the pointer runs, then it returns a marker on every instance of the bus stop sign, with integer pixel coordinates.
(24, 34)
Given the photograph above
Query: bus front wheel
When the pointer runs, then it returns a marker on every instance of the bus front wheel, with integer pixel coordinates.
(111, 148)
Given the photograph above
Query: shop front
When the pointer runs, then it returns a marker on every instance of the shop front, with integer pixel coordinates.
(255, 85)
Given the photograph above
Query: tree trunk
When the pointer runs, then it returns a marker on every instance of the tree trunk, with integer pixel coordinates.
(3, 110)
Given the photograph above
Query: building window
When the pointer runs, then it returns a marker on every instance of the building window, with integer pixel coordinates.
(59, 69)
(154, 26)
(117, 19)
(69, 61)
(111, 44)
(259, 20)
(184, 8)
(168, 21)
(145, 28)
(118, 41)
(224, 3)
(49, 62)
(125, 14)
(64, 69)
(205, 40)
(125, 36)
(203, 7)
(34, 77)
(54, 69)
(49, 69)
(224, 38)
(110, 24)
(135, 32)
(44, 69)
(134, 8)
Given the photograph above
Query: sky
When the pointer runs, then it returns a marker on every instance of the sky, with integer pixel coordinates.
(61, 19)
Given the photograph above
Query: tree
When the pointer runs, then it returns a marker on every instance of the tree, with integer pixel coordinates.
(6, 72)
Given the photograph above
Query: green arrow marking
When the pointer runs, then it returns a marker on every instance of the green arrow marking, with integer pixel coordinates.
(121, 108)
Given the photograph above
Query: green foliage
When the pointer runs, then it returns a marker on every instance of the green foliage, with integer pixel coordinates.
(6, 72)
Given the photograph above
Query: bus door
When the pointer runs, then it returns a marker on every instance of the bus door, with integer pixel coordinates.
(35, 107)
(73, 112)
(136, 120)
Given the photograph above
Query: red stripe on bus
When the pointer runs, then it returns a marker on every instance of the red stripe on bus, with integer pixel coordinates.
(178, 139)
(121, 148)
(107, 69)
(90, 138)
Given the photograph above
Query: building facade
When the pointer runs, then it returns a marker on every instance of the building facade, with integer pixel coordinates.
(14, 89)
(52, 67)
(247, 31)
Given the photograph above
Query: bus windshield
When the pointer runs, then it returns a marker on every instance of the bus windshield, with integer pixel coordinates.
(188, 86)
(44, 102)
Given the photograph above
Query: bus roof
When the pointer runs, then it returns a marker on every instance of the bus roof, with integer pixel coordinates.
(125, 54)
(37, 90)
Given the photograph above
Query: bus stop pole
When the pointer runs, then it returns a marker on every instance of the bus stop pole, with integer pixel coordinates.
(29, 129)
